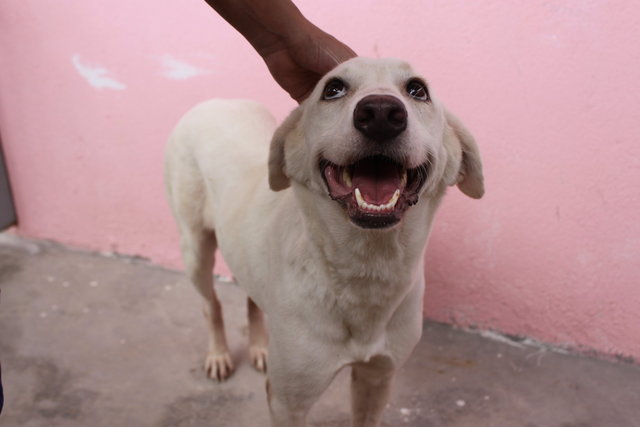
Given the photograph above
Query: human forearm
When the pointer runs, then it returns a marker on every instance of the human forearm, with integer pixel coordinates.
(266, 24)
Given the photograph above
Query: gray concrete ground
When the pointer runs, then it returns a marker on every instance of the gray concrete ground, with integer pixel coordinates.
(88, 340)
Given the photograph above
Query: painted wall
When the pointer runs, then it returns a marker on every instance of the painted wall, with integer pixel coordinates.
(89, 91)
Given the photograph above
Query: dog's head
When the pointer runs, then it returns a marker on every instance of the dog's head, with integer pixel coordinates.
(373, 137)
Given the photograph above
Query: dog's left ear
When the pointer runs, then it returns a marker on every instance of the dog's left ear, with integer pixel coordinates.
(278, 179)
(464, 166)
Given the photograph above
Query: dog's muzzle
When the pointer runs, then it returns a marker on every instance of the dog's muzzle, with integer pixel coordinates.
(377, 187)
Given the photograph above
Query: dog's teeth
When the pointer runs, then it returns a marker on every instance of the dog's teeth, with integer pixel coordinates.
(346, 177)
(377, 208)
(359, 198)
(403, 179)
(394, 199)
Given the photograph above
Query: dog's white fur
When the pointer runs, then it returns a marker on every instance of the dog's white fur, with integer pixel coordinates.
(335, 294)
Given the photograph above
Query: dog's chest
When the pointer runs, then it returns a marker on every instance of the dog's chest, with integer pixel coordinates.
(363, 309)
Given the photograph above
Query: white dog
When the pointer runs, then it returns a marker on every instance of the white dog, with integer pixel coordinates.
(328, 241)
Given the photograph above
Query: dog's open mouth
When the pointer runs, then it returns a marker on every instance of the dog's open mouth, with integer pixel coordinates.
(376, 190)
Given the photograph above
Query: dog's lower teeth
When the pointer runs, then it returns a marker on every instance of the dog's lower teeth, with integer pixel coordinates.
(377, 208)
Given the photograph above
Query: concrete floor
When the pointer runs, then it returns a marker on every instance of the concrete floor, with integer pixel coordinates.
(89, 340)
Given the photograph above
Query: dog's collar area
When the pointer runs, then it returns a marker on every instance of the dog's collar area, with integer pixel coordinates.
(375, 191)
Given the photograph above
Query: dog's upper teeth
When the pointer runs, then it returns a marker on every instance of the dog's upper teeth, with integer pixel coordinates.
(346, 177)
(377, 208)
(403, 179)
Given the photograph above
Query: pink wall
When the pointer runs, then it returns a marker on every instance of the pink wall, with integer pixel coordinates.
(89, 91)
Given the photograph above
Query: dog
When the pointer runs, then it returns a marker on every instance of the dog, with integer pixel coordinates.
(328, 238)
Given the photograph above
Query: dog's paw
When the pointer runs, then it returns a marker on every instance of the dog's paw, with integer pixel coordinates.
(258, 357)
(218, 366)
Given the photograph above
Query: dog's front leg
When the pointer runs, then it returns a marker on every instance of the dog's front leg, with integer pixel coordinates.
(295, 381)
(370, 388)
(284, 411)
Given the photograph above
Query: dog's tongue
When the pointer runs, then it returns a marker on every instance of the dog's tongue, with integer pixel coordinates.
(377, 180)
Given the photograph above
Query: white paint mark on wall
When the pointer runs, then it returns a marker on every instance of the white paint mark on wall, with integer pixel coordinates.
(97, 76)
(522, 344)
(176, 69)
(495, 336)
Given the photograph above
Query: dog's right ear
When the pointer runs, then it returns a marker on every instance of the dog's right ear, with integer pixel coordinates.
(464, 167)
(278, 179)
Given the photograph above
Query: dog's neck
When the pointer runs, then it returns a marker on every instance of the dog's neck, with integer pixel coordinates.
(366, 273)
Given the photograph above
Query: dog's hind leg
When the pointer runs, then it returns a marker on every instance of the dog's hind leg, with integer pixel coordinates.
(257, 337)
(198, 249)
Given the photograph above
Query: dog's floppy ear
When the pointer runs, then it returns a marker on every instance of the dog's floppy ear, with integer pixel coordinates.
(278, 180)
(464, 166)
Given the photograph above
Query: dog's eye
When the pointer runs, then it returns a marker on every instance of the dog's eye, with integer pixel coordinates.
(417, 90)
(334, 89)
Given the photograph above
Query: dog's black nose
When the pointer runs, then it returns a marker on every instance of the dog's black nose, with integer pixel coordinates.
(380, 117)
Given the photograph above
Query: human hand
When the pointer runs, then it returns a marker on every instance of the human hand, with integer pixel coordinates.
(296, 52)
(297, 63)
